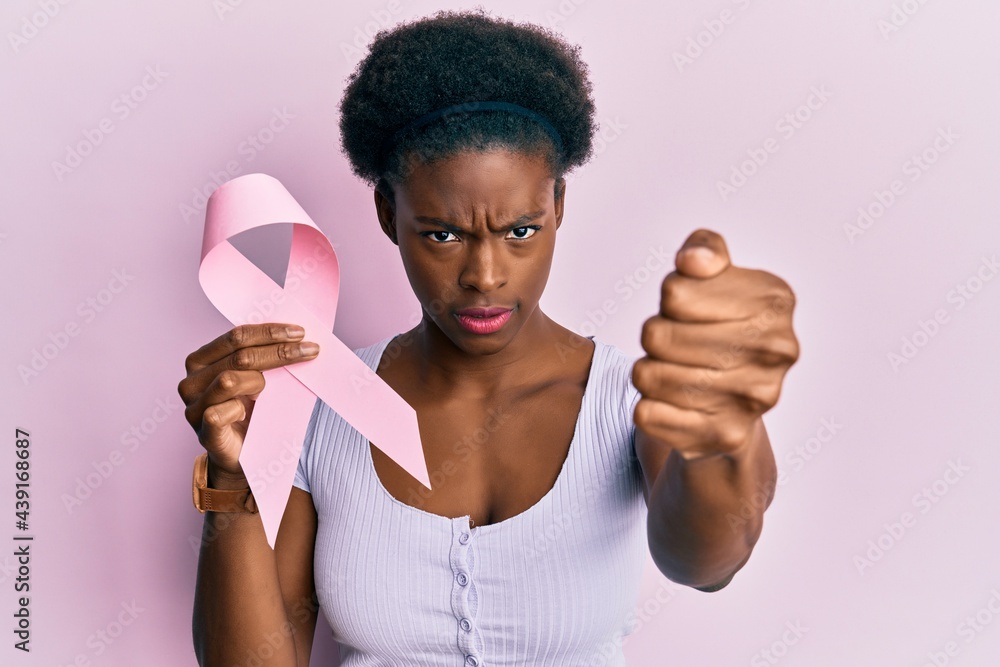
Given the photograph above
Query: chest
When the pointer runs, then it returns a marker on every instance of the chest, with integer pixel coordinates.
(491, 459)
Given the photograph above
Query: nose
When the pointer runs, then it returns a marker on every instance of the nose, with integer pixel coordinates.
(485, 268)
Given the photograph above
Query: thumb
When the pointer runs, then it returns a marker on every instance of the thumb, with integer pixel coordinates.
(703, 255)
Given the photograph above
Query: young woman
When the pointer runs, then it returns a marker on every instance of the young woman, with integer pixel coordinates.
(530, 547)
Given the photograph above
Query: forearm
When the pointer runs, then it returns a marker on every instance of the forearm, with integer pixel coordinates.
(238, 603)
(705, 515)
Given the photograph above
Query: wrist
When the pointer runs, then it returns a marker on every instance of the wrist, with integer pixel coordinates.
(219, 478)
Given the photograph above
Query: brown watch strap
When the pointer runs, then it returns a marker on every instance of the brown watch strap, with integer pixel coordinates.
(218, 500)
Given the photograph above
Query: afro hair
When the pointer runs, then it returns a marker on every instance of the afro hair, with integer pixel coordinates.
(453, 58)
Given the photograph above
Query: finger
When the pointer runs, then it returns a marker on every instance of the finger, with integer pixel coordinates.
(244, 335)
(703, 255)
(227, 385)
(736, 294)
(714, 392)
(675, 426)
(217, 422)
(717, 345)
(691, 432)
(258, 358)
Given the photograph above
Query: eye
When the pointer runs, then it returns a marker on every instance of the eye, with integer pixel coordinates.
(439, 240)
(531, 228)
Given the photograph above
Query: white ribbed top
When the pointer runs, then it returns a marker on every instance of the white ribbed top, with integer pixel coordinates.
(554, 585)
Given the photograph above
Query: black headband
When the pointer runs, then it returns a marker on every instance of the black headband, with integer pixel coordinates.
(468, 107)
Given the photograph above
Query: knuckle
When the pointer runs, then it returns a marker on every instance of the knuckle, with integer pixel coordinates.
(285, 352)
(238, 336)
(778, 351)
(228, 380)
(781, 297)
(655, 333)
(210, 417)
(642, 416)
(763, 395)
(730, 435)
(243, 358)
(672, 293)
(640, 374)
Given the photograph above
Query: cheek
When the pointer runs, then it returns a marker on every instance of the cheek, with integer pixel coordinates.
(430, 279)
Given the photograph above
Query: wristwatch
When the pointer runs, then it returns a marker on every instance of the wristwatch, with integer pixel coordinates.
(218, 500)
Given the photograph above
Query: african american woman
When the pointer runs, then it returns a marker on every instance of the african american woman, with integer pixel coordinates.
(559, 463)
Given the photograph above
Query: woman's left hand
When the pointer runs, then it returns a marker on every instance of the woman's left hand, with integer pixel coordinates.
(716, 353)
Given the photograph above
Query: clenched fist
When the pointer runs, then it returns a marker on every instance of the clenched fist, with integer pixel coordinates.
(716, 353)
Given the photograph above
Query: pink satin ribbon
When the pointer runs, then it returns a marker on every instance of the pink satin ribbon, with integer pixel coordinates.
(245, 294)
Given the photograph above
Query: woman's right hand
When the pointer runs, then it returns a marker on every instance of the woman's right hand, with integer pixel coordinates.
(224, 379)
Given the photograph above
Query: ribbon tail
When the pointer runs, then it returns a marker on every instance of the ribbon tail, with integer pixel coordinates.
(362, 398)
(273, 443)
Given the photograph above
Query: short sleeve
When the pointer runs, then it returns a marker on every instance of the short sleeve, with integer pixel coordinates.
(302, 470)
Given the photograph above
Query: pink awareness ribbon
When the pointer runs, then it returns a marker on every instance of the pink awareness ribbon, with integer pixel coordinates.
(245, 294)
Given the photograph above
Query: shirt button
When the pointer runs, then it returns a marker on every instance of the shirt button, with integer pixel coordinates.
(463, 579)
(463, 539)
(472, 661)
(466, 625)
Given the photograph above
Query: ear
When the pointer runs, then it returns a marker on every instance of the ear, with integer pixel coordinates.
(560, 200)
(386, 215)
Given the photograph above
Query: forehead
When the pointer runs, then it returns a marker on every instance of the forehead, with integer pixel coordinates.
(493, 180)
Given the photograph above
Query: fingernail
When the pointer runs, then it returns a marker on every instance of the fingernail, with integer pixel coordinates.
(308, 349)
(295, 332)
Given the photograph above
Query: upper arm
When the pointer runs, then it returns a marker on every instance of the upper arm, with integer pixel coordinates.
(293, 551)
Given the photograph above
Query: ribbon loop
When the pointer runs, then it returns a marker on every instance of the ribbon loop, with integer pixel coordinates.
(246, 295)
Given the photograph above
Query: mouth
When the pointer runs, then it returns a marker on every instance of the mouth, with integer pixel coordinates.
(483, 320)
(482, 312)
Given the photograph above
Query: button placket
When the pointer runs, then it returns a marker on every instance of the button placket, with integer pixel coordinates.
(463, 594)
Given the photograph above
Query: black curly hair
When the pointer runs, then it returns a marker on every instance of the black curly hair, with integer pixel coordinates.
(453, 58)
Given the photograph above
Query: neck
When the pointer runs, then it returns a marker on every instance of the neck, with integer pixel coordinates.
(477, 368)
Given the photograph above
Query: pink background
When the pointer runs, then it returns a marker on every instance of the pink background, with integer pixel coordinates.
(672, 131)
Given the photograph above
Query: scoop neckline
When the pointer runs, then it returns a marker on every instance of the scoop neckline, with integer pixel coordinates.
(560, 478)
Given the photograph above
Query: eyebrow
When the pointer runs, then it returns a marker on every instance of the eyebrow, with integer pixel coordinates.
(520, 222)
